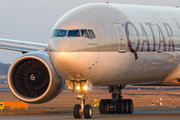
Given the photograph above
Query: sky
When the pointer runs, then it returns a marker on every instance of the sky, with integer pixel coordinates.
(32, 20)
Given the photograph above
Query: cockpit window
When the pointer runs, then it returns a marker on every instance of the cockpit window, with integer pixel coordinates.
(74, 33)
(54, 33)
(91, 33)
(62, 33)
(84, 33)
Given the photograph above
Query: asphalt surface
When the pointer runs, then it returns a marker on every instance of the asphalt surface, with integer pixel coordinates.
(4, 90)
(167, 114)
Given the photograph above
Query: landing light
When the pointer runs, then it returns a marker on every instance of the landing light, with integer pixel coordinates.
(78, 87)
(85, 87)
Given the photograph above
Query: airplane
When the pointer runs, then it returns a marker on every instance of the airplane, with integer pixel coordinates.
(99, 44)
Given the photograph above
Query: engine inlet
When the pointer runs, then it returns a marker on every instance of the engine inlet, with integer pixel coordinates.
(31, 78)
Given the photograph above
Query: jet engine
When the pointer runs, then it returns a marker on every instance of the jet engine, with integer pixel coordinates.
(32, 78)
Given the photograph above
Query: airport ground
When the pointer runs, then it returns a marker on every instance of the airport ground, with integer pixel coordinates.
(63, 105)
(143, 114)
(140, 97)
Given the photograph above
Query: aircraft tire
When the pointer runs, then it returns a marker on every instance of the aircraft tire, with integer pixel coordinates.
(130, 104)
(126, 106)
(102, 106)
(76, 111)
(108, 101)
(88, 111)
(120, 106)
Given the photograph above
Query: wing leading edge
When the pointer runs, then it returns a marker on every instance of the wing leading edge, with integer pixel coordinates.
(22, 46)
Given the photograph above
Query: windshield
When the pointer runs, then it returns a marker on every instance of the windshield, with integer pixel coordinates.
(85, 33)
(91, 33)
(62, 33)
(54, 33)
(74, 33)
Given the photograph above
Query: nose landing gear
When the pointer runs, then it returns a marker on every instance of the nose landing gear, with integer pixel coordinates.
(80, 109)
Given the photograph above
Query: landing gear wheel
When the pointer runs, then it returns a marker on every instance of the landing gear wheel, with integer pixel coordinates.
(130, 104)
(120, 106)
(126, 106)
(102, 107)
(88, 111)
(76, 111)
(110, 110)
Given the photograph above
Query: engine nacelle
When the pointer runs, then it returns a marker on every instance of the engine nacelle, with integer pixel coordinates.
(32, 78)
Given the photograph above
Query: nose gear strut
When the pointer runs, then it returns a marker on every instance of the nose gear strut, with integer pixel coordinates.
(80, 109)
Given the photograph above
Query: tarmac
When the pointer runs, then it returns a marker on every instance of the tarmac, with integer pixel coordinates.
(153, 114)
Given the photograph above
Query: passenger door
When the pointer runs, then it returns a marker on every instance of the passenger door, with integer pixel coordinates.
(121, 38)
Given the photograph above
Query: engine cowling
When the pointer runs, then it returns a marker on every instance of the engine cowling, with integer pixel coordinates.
(32, 78)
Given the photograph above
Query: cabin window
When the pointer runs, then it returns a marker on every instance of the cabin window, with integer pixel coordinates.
(84, 33)
(91, 34)
(62, 33)
(74, 33)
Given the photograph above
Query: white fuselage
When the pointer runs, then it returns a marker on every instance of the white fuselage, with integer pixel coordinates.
(136, 45)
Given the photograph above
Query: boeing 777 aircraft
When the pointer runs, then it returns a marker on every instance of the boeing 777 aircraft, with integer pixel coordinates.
(99, 44)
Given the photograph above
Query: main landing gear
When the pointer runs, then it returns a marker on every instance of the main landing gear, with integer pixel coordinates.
(116, 104)
(80, 109)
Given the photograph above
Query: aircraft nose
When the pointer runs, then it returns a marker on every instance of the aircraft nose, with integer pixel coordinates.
(63, 52)
(63, 45)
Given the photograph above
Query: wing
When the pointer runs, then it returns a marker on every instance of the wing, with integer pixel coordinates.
(22, 46)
